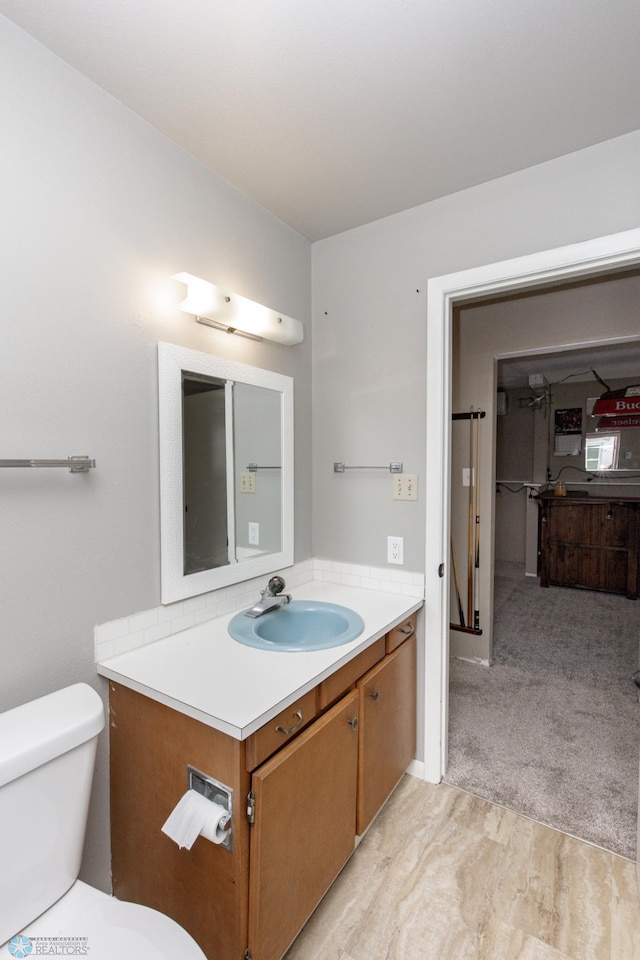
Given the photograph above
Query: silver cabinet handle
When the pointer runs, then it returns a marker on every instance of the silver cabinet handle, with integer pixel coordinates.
(353, 723)
(374, 694)
(406, 630)
(281, 729)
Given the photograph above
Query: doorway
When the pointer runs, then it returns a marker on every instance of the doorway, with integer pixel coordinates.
(579, 261)
(558, 703)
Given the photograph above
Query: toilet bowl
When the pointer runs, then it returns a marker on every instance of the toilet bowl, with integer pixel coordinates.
(47, 754)
(87, 922)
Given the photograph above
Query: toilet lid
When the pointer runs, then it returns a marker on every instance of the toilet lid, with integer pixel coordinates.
(86, 922)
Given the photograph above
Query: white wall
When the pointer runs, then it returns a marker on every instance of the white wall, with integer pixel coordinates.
(98, 210)
(369, 314)
(514, 461)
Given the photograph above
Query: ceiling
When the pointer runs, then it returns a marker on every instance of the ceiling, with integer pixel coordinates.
(611, 361)
(334, 113)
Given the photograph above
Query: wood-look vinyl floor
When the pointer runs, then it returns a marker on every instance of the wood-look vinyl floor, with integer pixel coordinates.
(444, 875)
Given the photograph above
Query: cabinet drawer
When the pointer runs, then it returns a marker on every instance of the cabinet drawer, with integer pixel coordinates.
(339, 682)
(400, 633)
(280, 730)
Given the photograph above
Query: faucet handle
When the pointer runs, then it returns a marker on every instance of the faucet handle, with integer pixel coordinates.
(276, 585)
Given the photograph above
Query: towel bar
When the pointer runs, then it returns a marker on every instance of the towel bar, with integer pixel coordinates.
(393, 467)
(74, 464)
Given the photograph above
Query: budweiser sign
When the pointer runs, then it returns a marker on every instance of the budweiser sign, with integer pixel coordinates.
(617, 423)
(617, 404)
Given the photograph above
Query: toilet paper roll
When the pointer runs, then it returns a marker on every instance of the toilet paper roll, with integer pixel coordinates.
(195, 816)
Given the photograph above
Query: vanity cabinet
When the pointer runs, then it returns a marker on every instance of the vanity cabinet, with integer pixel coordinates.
(387, 729)
(204, 889)
(590, 542)
(305, 827)
(304, 786)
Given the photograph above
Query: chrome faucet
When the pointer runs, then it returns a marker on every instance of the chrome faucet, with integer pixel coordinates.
(270, 598)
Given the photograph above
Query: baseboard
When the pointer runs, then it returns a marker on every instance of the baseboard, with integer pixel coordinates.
(416, 769)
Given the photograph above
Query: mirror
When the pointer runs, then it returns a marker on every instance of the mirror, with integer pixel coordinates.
(226, 471)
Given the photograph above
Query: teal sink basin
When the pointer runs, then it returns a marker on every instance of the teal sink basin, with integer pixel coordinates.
(298, 626)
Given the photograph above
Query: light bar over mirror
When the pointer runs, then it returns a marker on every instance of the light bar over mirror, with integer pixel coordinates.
(235, 314)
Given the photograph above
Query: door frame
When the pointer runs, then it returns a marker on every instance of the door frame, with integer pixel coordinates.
(577, 261)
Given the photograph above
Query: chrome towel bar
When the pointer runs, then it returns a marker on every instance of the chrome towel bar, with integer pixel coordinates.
(73, 464)
(393, 467)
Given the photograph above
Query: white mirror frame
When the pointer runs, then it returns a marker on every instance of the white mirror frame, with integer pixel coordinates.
(172, 360)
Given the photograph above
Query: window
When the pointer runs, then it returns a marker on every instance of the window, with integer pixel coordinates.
(601, 451)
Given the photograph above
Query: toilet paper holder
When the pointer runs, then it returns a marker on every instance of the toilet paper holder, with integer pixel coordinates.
(217, 792)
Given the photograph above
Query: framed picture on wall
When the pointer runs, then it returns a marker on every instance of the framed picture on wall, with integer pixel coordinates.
(568, 432)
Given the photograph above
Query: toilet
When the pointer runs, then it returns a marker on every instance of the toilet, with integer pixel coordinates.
(47, 755)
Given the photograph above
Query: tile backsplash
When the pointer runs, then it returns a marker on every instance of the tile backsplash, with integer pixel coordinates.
(128, 633)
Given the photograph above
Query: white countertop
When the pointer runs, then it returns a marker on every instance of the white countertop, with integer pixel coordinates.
(204, 673)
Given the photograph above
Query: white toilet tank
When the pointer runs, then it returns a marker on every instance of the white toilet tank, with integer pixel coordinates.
(47, 753)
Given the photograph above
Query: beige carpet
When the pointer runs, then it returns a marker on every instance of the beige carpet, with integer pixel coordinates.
(551, 729)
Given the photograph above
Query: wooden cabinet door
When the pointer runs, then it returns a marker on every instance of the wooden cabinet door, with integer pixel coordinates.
(304, 830)
(590, 544)
(387, 729)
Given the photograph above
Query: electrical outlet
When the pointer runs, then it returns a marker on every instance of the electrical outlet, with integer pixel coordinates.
(247, 482)
(254, 534)
(395, 549)
(405, 486)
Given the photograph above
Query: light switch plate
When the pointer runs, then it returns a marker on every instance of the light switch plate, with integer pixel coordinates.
(468, 475)
(405, 486)
(247, 482)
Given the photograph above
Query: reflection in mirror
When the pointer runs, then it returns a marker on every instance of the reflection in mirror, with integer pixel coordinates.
(206, 536)
(226, 471)
(258, 472)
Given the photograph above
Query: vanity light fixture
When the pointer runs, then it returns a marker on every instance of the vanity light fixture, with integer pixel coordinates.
(235, 314)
